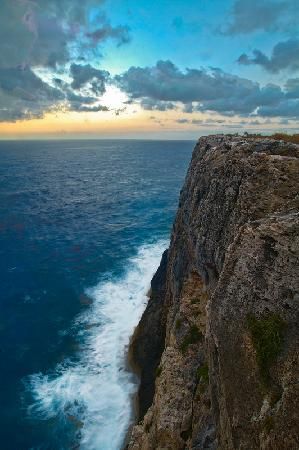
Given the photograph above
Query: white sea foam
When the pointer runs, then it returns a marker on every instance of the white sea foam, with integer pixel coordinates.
(96, 392)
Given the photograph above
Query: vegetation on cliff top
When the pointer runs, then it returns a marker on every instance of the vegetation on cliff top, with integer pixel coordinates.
(286, 137)
(294, 138)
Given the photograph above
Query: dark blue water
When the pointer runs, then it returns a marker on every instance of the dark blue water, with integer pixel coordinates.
(81, 225)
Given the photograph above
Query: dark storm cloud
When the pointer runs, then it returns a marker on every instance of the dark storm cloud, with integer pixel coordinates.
(200, 90)
(285, 55)
(250, 16)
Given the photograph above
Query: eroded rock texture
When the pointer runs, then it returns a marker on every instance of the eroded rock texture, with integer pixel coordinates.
(221, 336)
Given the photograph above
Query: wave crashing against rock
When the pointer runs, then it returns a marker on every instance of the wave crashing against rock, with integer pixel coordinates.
(217, 346)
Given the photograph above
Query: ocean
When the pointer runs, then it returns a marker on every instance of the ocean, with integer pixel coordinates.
(83, 225)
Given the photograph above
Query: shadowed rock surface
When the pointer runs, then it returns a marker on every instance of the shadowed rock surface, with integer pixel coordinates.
(220, 332)
(145, 353)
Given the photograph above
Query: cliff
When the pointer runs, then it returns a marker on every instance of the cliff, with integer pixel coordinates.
(217, 347)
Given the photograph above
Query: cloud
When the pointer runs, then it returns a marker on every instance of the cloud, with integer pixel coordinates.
(292, 88)
(243, 104)
(23, 95)
(201, 121)
(81, 103)
(24, 84)
(165, 82)
(51, 32)
(213, 121)
(285, 108)
(31, 33)
(84, 75)
(119, 33)
(285, 55)
(83, 108)
(202, 90)
(182, 120)
(262, 15)
(42, 38)
(150, 104)
(188, 107)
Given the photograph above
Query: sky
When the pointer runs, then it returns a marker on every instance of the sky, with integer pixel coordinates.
(147, 68)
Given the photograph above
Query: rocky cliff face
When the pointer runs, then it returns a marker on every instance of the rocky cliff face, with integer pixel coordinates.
(217, 346)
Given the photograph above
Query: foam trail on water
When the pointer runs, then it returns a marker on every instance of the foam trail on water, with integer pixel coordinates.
(95, 393)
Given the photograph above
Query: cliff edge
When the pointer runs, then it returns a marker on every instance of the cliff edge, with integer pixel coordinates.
(217, 347)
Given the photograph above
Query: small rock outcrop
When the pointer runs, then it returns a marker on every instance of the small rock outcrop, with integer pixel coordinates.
(217, 347)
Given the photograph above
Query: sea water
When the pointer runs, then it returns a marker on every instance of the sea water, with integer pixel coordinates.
(83, 225)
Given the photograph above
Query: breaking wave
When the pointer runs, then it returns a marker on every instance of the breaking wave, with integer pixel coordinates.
(93, 395)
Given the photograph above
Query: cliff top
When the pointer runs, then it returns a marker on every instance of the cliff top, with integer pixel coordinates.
(270, 145)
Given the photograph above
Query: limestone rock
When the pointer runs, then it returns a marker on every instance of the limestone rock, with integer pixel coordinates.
(217, 346)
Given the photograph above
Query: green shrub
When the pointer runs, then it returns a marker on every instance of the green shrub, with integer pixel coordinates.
(178, 323)
(202, 374)
(275, 395)
(268, 424)
(192, 337)
(186, 434)
(158, 371)
(267, 338)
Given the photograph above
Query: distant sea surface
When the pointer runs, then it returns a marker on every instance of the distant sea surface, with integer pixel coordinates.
(83, 225)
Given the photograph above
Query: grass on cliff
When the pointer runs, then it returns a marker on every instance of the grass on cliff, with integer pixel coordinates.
(268, 424)
(178, 323)
(192, 337)
(294, 138)
(267, 338)
(202, 374)
(158, 371)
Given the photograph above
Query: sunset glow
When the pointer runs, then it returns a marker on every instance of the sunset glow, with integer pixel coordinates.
(158, 69)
